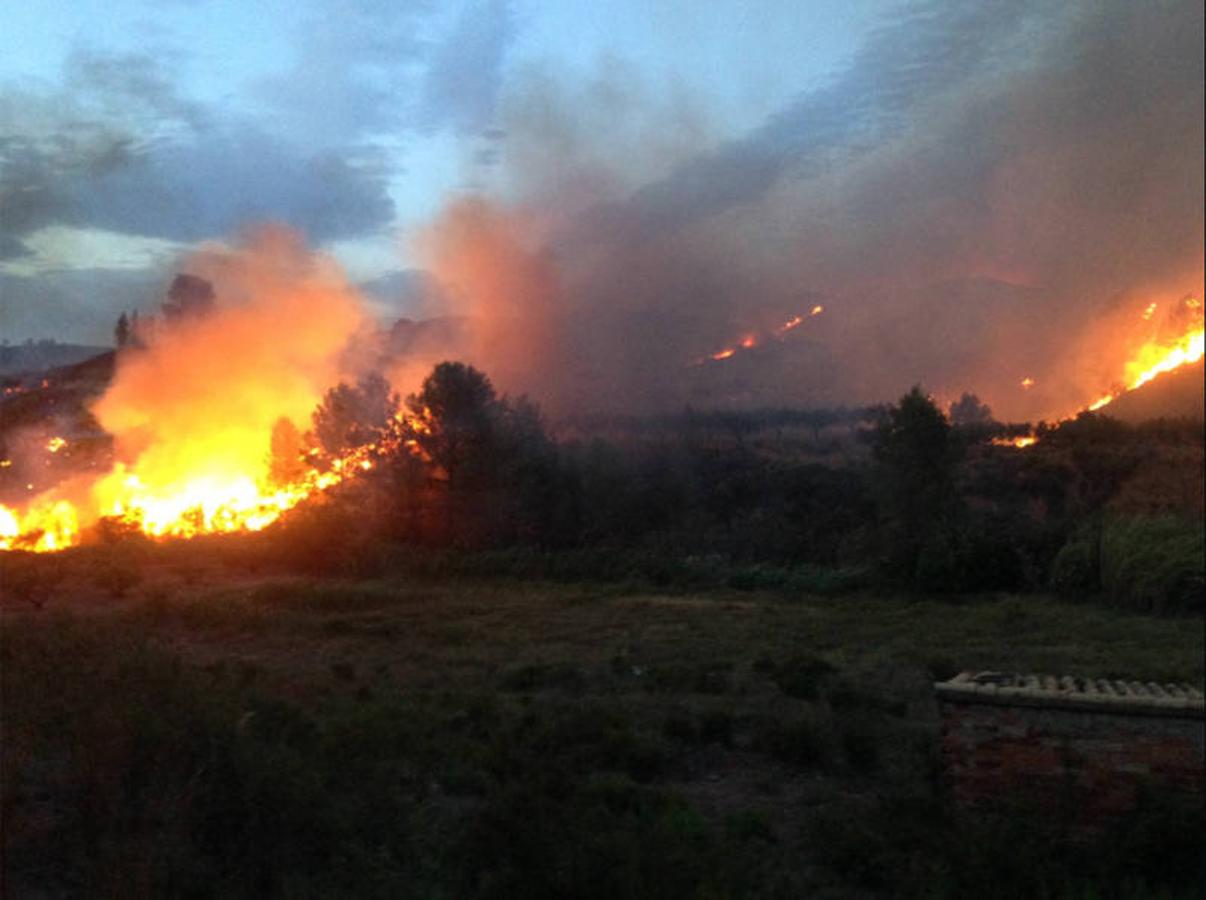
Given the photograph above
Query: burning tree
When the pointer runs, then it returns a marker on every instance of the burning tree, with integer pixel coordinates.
(352, 416)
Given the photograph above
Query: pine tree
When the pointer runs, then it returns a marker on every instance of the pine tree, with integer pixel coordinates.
(121, 332)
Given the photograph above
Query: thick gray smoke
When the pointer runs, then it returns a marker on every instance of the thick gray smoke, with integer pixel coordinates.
(989, 192)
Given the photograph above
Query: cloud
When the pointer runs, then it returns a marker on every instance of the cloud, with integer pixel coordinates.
(235, 176)
(119, 148)
(352, 74)
(464, 76)
(11, 248)
(135, 88)
(81, 305)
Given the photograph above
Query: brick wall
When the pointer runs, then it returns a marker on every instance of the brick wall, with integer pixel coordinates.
(1001, 743)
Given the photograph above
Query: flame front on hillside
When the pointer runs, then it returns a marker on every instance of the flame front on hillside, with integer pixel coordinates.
(193, 413)
(1179, 343)
(752, 340)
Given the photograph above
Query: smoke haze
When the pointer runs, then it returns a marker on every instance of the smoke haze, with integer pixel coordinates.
(990, 192)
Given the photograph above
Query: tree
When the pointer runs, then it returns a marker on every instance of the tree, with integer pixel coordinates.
(497, 470)
(460, 412)
(968, 410)
(121, 331)
(190, 296)
(915, 457)
(352, 416)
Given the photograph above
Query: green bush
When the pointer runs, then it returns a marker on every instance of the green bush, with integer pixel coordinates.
(1155, 565)
(1075, 571)
(976, 557)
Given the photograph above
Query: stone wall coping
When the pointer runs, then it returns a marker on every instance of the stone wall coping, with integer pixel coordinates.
(1103, 695)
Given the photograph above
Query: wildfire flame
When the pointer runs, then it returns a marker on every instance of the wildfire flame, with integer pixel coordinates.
(1022, 442)
(1157, 356)
(752, 340)
(1149, 360)
(192, 415)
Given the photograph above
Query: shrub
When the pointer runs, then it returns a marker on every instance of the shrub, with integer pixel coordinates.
(30, 577)
(1075, 571)
(117, 574)
(1156, 565)
(800, 676)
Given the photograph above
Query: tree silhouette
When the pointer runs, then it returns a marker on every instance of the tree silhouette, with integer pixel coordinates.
(460, 412)
(354, 415)
(968, 410)
(915, 455)
(121, 331)
(496, 464)
(190, 296)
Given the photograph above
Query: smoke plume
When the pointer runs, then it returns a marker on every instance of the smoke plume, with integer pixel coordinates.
(980, 198)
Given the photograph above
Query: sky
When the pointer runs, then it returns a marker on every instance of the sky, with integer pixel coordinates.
(978, 194)
(130, 130)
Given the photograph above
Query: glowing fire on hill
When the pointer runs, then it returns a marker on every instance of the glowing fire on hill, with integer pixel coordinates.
(1179, 344)
(193, 413)
(751, 340)
(1162, 353)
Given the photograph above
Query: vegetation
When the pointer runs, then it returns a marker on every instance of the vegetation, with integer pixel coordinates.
(918, 501)
(689, 657)
(444, 736)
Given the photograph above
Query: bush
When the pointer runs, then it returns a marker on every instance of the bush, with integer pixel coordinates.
(116, 574)
(1155, 565)
(1075, 571)
(30, 577)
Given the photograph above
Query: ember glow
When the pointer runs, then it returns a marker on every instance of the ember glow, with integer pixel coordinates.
(1022, 442)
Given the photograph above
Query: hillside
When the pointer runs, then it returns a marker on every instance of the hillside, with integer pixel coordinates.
(35, 357)
(1177, 394)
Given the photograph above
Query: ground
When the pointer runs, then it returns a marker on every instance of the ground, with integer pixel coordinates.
(499, 737)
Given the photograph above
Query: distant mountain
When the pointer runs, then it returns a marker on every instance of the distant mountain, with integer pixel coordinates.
(1177, 394)
(41, 355)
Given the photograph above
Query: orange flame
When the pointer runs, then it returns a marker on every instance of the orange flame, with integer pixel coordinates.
(752, 340)
(1021, 443)
(192, 415)
(1149, 360)
(1160, 355)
